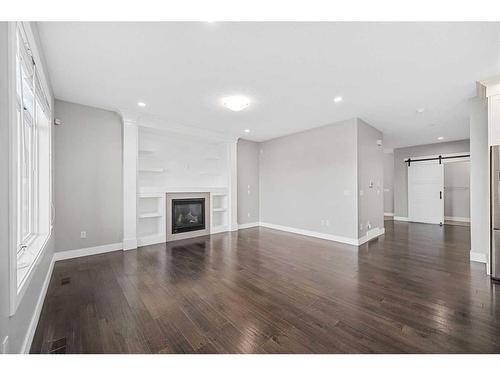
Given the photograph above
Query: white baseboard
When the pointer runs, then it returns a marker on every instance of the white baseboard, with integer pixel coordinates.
(458, 218)
(129, 244)
(478, 257)
(370, 235)
(390, 214)
(248, 225)
(68, 254)
(324, 236)
(25, 348)
(151, 240)
(400, 218)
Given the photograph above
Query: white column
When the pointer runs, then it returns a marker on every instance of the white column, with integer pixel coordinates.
(130, 152)
(233, 186)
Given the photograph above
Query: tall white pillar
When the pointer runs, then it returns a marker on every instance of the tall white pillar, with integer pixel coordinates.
(130, 152)
(233, 185)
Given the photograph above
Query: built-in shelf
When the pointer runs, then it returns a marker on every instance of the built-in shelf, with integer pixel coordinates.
(152, 170)
(149, 214)
(151, 195)
(219, 209)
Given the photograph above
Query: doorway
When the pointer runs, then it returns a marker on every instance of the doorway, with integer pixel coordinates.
(457, 193)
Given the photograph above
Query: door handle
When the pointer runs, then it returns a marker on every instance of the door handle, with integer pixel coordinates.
(440, 195)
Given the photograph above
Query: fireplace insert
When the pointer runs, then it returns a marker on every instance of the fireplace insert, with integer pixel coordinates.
(188, 215)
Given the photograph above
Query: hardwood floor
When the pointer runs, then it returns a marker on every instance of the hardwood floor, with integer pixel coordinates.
(264, 291)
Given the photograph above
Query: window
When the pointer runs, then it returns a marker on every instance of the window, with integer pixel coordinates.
(32, 160)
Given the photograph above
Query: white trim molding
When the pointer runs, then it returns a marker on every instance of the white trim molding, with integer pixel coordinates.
(400, 218)
(370, 235)
(478, 257)
(26, 346)
(389, 214)
(151, 240)
(248, 225)
(304, 232)
(375, 232)
(458, 218)
(69, 254)
(130, 163)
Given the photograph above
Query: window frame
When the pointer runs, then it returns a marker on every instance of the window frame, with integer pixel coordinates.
(34, 243)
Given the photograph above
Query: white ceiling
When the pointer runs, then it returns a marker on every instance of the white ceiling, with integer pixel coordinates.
(291, 72)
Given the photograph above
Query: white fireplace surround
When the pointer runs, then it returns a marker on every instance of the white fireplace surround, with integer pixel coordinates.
(159, 159)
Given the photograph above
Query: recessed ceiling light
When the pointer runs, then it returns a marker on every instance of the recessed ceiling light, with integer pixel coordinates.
(440, 138)
(141, 104)
(337, 99)
(420, 110)
(235, 103)
(247, 130)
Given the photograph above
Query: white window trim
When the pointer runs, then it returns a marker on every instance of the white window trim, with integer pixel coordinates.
(17, 291)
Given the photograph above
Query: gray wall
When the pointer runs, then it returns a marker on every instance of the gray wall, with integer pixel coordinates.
(389, 182)
(370, 178)
(310, 177)
(456, 189)
(401, 173)
(16, 327)
(88, 179)
(248, 182)
(480, 176)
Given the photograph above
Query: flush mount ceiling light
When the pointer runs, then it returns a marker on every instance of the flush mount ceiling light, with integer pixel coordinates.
(235, 103)
(141, 104)
(247, 130)
(337, 99)
(440, 138)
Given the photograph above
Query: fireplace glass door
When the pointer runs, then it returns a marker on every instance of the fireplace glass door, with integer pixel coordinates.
(188, 215)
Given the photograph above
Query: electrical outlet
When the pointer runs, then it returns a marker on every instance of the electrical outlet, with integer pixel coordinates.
(83, 234)
(5, 345)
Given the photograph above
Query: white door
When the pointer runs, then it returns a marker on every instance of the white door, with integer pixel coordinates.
(425, 193)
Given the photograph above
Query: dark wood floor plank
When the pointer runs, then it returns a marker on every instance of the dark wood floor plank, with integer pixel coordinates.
(413, 290)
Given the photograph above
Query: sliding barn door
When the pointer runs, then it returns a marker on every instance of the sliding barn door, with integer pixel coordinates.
(425, 193)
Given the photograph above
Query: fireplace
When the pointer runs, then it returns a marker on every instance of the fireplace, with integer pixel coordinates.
(188, 215)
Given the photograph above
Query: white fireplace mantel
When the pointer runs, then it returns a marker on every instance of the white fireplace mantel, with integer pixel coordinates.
(160, 158)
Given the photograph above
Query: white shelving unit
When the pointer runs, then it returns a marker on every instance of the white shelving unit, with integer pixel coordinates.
(151, 225)
(176, 162)
(219, 216)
